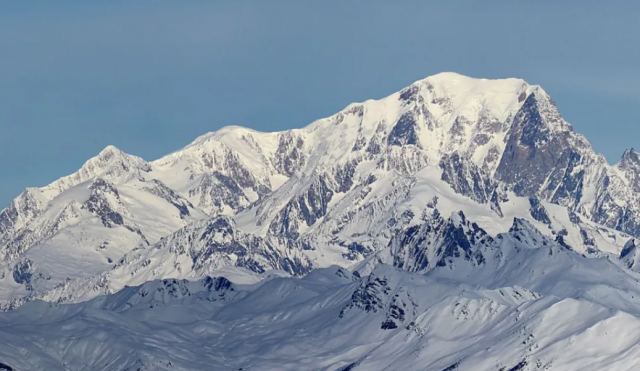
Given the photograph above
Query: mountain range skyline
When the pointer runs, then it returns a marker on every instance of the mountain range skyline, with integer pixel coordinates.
(611, 158)
(490, 141)
(150, 77)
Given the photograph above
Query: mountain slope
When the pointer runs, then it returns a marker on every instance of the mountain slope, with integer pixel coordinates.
(79, 225)
(567, 312)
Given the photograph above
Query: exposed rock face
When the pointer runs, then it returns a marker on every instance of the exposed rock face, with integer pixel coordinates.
(289, 157)
(161, 190)
(467, 179)
(22, 272)
(217, 242)
(216, 192)
(537, 210)
(306, 208)
(438, 242)
(404, 132)
(103, 196)
(630, 164)
(540, 156)
(370, 295)
(630, 256)
(611, 209)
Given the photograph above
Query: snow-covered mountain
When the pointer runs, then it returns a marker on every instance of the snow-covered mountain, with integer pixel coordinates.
(333, 192)
(451, 182)
(523, 302)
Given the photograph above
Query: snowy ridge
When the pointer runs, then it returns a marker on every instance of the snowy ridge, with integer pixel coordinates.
(458, 316)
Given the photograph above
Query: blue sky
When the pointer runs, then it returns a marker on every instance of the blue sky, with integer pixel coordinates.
(150, 76)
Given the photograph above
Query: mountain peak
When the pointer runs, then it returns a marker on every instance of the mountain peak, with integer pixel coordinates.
(630, 162)
(631, 155)
(449, 77)
(111, 163)
(110, 155)
(456, 83)
(110, 148)
(109, 152)
(221, 132)
(467, 96)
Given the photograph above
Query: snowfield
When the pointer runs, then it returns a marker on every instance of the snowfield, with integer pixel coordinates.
(458, 224)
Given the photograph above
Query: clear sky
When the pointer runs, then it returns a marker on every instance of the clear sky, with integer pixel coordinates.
(150, 76)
